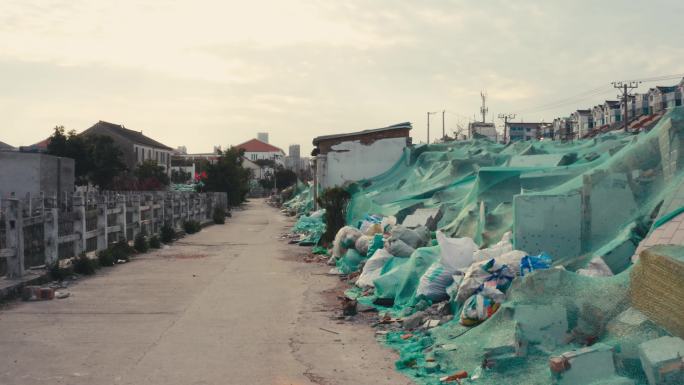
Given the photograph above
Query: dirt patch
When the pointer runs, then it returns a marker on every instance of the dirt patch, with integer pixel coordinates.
(188, 256)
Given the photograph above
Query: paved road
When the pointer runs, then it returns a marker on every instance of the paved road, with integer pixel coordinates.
(229, 305)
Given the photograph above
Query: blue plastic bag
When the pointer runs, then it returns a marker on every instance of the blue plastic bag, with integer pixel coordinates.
(531, 263)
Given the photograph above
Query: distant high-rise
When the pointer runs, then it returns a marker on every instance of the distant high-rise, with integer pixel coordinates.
(262, 136)
(294, 151)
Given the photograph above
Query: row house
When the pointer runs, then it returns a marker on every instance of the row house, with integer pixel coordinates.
(582, 122)
(522, 131)
(661, 98)
(598, 116)
(562, 129)
(611, 112)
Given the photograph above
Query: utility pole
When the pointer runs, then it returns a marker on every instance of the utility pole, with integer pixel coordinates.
(443, 132)
(624, 86)
(428, 125)
(505, 118)
(484, 109)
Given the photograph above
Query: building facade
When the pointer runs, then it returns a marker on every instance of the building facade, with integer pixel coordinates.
(582, 122)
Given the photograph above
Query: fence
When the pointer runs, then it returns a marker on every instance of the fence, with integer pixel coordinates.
(39, 230)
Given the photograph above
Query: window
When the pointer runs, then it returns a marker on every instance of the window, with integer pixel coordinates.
(254, 156)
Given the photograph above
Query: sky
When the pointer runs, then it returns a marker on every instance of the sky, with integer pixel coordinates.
(204, 73)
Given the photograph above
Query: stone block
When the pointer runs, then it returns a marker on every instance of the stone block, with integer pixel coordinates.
(542, 324)
(662, 360)
(586, 366)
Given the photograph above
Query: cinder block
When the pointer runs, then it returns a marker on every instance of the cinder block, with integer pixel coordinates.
(662, 360)
(586, 366)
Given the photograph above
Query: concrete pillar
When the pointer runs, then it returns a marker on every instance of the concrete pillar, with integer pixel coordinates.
(14, 236)
(135, 219)
(121, 216)
(102, 225)
(51, 234)
(79, 209)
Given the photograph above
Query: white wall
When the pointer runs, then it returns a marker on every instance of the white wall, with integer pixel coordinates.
(353, 161)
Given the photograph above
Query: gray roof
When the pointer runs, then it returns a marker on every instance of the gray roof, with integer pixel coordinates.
(133, 136)
(5, 147)
(397, 126)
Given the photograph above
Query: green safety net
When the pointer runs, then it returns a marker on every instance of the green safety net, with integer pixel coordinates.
(302, 200)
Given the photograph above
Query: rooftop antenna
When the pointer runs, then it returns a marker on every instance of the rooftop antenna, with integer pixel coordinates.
(484, 109)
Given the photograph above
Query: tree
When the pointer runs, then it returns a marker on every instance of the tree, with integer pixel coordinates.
(228, 175)
(97, 159)
(284, 178)
(150, 171)
(180, 176)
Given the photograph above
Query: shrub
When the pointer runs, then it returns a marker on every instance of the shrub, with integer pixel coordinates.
(140, 243)
(106, 257)
(191, 227)
(84, 265)
(168, 234)
(154, 242)
(58, 273)
(121, 250)
(334, 201)
(219, 215)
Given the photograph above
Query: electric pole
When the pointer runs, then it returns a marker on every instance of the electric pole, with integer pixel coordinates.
(428, 125)
(483, 109)
(505, 118)
(443, 132)
(624, 86)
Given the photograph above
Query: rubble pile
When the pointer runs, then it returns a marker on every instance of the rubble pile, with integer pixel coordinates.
(520, 264)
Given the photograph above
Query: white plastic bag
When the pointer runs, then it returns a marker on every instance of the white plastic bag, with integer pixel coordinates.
(495, 251)
(362, 244)
(344, 239)
(399, 248)
(372, 268)
(597, 267)
(456, 253)
(434, 282)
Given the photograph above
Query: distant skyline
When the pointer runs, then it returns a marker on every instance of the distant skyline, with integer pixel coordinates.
(205, 73)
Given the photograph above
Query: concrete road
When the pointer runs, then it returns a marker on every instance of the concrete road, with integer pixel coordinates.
(229, 305)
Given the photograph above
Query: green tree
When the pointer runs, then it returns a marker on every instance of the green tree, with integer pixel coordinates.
(149, 170)
(180, 176)
(97, 159)
(228, 175)
(284, 178)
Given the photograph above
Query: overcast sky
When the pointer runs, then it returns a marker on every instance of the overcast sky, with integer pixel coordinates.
(204, 73)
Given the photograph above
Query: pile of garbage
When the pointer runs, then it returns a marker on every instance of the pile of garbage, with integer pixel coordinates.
(309, 228)
(301, 202)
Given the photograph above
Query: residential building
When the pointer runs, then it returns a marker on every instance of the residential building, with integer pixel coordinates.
(294, 151)
(350, 157)
(522, 131)
(262, 136)
(598, 116)
(611, 112)
(256, 149)
(135, 146)
(582, 122)
(487, 130)
(563, 129)
(640, 104)
(661, 98)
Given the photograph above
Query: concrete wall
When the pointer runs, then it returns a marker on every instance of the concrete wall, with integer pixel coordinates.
(22, 173)
(352, 160)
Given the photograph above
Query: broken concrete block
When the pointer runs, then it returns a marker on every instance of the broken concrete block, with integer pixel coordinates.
(663, 360)
(586, 366)
(542, 324)
(414, 320)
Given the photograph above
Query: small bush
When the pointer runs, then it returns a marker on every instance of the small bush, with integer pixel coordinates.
(106, 257)
(191, 227)
(84, 265)
(334, 201)
(154, 242)
(140, 243)
(122, 250)
(58, 273)
(168, 234)
(219, 215)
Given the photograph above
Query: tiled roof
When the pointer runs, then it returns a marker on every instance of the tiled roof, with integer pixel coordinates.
(255, 145)
(399, 126)
(4, 146)
(133, 136)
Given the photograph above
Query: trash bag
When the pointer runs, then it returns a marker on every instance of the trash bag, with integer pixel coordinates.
(377, 243)
(373, 268)
(345, 239)
(530, 263)
(434, 282)
(485, 273)
(418, 237)
(400, 283)
(502, 247)
(368, 222)
(456, 253)
(399, 248)
(480, 306)
(350, 262)
(597, 267)
(362, 243)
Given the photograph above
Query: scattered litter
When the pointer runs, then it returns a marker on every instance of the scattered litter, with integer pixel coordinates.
(329, 331)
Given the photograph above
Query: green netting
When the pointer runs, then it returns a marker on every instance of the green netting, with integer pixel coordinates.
(302, 200)
(400, 282)
(311, 227)
(575, 201)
